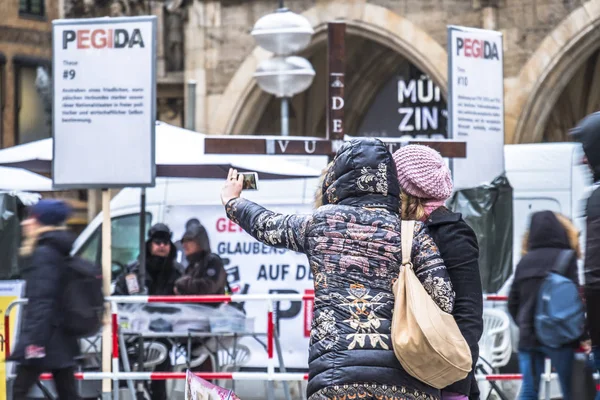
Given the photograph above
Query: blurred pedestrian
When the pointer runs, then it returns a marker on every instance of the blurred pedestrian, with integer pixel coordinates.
(43, 345)
(547, 237)
(587, 132)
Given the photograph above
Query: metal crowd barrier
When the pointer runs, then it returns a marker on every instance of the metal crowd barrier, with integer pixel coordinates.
(270, 375)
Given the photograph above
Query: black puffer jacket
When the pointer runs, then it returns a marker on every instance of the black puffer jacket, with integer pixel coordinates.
(353, 244)
(588, 133)
(460, 252)
(547, 237)
(161, 274)
(43, 272)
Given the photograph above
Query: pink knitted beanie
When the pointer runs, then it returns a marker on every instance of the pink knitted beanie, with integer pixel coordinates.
(423, 173)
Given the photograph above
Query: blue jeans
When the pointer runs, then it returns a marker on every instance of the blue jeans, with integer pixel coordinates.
(531, 363)
(596, 353)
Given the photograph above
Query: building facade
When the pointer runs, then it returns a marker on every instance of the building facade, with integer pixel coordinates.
(550, 53)
(550, 64)
(25, 59)
(25, 81)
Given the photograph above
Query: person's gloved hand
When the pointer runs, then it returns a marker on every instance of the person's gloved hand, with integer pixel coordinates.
(232, 187)
(181, 285)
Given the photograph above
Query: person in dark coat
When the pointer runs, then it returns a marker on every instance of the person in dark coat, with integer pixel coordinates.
(587, 132)
(353, 245)
(162, 271)
(181, 258)
(546, 238)
(43, 346)
(426, 184)
(205, 273)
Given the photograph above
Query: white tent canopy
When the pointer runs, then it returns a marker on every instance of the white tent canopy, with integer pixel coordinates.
(18, 179)
(179, 153)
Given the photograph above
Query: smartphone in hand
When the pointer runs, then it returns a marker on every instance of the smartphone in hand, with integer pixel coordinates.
(250, 181)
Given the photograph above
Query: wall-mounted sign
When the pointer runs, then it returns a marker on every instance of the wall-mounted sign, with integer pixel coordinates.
(409, 104)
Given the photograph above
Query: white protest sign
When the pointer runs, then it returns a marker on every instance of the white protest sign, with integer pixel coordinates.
(255, 268)
(104, 79)
(476, 103)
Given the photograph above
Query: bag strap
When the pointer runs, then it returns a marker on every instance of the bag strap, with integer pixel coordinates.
(407, 230)
(563, 261)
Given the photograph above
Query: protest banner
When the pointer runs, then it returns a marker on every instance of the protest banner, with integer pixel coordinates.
(199, 389)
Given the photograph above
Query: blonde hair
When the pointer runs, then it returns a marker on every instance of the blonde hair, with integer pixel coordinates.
(411, 207)
(30, 241)
(318, 199)
(570, 229)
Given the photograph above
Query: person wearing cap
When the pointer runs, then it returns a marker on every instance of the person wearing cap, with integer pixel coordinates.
(587, 132)
(162, 270)
(42, 345)
(205, 273)
(425, 185)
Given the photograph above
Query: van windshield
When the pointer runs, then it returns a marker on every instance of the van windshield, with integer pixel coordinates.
(125, 231)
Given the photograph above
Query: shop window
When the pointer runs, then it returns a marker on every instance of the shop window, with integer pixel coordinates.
(34, 8)
(33, 103)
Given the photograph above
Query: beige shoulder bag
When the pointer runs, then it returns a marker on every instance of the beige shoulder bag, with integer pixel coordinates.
(426, 340)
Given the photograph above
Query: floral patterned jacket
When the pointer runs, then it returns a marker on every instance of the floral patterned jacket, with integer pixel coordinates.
(355, 253)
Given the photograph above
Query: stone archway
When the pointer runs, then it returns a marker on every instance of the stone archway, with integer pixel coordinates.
(531, 97)
(242, 99)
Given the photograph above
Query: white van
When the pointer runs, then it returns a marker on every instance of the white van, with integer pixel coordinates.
(547, 176)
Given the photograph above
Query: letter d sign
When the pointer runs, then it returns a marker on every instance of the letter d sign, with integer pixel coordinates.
(338, 103)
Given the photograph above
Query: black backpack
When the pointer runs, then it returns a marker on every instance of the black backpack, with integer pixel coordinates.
(83, 298)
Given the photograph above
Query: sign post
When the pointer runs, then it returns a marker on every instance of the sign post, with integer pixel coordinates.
(336, 65)
(104, 108)
(476, 103)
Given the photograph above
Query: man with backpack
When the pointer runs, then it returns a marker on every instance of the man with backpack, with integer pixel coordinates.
(45, 343)
(162, 270)
(544, 302)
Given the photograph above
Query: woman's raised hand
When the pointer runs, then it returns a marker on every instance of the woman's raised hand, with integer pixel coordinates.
(232, 187)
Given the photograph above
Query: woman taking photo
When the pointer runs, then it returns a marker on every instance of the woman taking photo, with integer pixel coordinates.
(353, 244)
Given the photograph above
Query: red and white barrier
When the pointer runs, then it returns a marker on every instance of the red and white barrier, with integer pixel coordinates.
(161, 376)
(235, 298)
(238, 376)
(270, 375)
